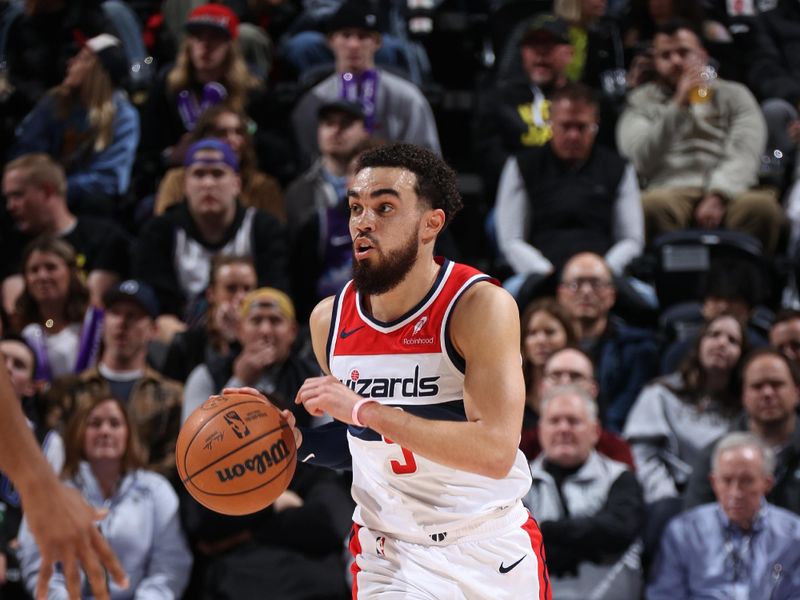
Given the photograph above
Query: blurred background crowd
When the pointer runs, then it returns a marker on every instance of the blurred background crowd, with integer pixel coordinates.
(173, 181)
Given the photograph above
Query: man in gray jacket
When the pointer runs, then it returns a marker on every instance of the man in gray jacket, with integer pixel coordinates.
(395, 109)
(696, 142)
(589, 507)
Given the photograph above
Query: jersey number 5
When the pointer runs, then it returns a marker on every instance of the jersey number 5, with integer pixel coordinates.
(403, 468)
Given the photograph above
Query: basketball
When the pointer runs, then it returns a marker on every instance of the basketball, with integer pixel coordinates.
(236, 454)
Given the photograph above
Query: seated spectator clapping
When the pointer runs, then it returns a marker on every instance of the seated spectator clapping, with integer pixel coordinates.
(212, 340)
(267, 361)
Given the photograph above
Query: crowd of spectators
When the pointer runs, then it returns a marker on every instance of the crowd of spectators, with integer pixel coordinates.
(170, 219)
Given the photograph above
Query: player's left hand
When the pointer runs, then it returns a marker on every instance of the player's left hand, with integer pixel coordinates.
(320, 395)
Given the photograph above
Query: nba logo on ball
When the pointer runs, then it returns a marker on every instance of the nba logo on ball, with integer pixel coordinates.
(235, 421)
(236, 454)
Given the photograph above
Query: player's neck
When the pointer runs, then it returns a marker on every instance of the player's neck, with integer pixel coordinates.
(408, 293)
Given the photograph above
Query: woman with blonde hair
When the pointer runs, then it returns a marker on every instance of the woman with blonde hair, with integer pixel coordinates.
(142, 525)
(232, 126)
(53, 312)
(209, 70)
(88, 125)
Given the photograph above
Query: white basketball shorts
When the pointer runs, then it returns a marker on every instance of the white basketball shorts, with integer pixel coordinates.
(500, 558)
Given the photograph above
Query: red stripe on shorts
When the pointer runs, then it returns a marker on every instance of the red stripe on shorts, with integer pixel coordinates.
(537, 544)
(355, 550)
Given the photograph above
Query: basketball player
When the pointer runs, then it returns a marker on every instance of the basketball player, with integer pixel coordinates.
(63, 524)
(425, 373)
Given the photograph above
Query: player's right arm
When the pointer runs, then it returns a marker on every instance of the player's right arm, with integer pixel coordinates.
(62, 523)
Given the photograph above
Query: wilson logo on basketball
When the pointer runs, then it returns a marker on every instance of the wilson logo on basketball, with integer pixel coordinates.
(267, 459)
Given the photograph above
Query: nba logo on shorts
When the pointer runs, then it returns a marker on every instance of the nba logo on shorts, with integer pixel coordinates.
(233, 419)
(380, 543)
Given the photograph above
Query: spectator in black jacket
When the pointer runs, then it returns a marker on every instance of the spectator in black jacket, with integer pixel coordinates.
(569, 196)
(174, 249)
(290, 550)
(625, 356)
(266, 358)
(515, 113)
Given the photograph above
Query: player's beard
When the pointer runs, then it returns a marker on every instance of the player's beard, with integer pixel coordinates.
(384, 275)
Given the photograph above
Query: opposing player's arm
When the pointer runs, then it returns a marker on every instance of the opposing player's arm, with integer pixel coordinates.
(485, 331)
(70, 538)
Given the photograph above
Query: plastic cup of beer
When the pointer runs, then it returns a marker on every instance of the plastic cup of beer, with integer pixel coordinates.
(704, 92)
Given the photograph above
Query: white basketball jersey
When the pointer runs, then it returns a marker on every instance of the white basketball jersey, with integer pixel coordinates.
(411, 364)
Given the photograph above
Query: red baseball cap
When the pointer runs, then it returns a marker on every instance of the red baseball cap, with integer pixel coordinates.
(213, 16)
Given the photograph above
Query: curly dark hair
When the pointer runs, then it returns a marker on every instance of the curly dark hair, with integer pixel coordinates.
(436, 181)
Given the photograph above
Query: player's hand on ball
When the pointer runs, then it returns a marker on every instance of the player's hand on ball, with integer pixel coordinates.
(287, 414)
(244, 390)
(298, 435)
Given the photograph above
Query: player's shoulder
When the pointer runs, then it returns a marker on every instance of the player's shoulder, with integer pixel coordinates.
(322, 314)
(484, 300)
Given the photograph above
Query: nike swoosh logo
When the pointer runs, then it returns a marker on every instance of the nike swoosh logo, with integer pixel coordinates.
(347, 334)
(504, 569)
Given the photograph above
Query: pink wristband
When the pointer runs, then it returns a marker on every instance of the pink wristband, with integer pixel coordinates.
(356, 407)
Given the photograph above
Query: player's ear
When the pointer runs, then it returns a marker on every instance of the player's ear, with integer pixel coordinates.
(433, 223)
